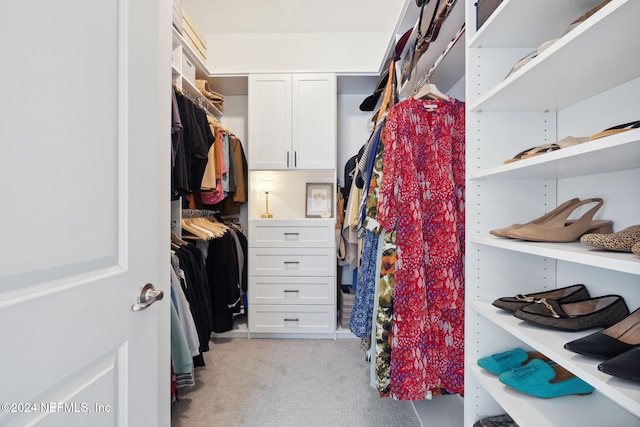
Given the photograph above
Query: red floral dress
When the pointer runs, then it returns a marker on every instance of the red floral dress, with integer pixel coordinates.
(422, 199)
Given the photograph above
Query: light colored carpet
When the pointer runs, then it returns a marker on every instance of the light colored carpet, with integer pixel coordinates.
(287, 383)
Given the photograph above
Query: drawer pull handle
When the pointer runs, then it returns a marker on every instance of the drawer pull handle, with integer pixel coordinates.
(291, 290)
(291, 234)
(286, 319)
(292, 262)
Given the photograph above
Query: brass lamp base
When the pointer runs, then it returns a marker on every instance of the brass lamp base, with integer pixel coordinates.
(266, 213)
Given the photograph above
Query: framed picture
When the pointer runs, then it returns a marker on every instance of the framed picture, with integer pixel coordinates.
(319, 200)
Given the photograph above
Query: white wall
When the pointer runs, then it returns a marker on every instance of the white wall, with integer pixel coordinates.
(235, 119)
(242, 53)
(353, 129)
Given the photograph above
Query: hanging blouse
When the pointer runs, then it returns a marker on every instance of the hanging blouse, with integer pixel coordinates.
(422, 199)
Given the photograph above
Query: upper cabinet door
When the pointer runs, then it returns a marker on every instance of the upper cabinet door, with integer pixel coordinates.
(270, 121)
(292, 121)
(314, 121)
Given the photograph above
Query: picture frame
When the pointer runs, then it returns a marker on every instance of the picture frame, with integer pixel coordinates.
(319, 200)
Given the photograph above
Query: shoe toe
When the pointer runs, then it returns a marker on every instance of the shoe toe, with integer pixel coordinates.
(622, 241)
(538, 379)
(598, 345)
(626, 365)
(502, 362)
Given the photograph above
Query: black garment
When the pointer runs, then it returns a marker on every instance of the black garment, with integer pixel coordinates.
(196, 290)
(348, 177)
(224, 281)
(179, 178)
(197, 139)
(243, 273)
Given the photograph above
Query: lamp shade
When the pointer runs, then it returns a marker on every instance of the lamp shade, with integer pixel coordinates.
(266, 186)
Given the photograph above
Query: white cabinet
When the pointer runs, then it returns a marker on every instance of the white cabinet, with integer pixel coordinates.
(292, 121)
(292, 286)
(582, 84)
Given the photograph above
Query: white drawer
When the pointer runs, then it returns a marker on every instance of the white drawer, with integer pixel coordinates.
(292, 233)
(289, 262)
(292, 290)
(292, 319)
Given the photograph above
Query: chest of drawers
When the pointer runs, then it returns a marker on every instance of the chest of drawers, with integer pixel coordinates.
(292, 284)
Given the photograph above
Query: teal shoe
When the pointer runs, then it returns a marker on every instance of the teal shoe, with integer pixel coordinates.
(544, 380)
(503, 362)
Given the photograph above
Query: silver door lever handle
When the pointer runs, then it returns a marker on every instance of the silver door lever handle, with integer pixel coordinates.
(147, 296)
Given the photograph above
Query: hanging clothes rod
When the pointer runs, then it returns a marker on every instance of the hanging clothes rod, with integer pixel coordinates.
(199, 101)
(199, 213)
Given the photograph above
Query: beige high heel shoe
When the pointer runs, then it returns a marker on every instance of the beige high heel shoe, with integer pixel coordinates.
(557, 230)
(502, 232)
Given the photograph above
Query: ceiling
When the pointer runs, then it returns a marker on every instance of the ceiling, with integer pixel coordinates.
(294, 16)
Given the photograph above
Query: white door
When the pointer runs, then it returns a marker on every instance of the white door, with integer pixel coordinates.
(84, 126)
(270, 122)
(314, 121)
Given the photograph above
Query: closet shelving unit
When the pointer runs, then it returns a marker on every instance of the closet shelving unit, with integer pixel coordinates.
(186, 67)
(183, 75)
(587, 81)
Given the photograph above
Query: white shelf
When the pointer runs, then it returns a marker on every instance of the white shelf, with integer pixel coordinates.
(191, 54)
(540, 25)
(567, 411)
(616, 152)
(573, 252)
(567, 72)
(549, 342)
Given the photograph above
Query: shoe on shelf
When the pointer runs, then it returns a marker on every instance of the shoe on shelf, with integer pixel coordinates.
(508, 360)
(544, 380)
(496, 421)
(502, 232)
(626, 365)
(547, 148)
(611, 342)
(563, 295)
(597, 312)
(615, 130)
(587, 15)
(557, 230)
(622, 241)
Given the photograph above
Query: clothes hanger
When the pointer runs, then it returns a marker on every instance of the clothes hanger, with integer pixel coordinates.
(430, 91)
(196, 232)
(178, 241)
(218, 229)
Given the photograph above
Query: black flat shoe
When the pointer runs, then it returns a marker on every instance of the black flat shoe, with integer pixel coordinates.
(575, 316)
(626, 365)
(563, 295)
(611, 342)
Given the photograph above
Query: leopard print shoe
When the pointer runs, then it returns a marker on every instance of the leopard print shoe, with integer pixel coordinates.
(636, 248)
(622, 241)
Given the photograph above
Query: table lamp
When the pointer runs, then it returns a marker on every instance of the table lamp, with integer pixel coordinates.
(266, 186)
